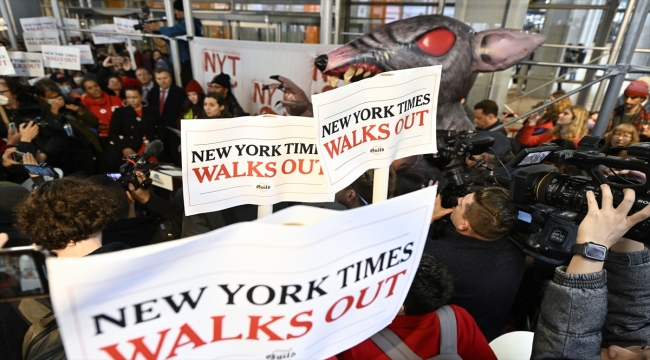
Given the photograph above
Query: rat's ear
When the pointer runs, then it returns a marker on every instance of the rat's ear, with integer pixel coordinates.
(500, 49)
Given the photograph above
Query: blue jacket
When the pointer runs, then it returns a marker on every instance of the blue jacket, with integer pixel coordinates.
(179, 30)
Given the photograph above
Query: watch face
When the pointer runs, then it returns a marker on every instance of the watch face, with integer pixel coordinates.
(596, 252)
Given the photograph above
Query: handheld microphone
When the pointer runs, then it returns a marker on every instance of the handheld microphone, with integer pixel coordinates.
(153, 149)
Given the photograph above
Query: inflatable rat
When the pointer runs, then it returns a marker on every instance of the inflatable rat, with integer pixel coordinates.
(416, 42)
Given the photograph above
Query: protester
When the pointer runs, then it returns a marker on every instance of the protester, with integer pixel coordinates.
(179, 29)
(571, 125)
(63, 81)
(597, 307)
(486, 116)
(101, 104)
(20, 106)
(114, 86)
(359, 193)
(77, 78)
(632, 111)
(487, 268)
(538, 126)
(622, 135)
(159, 60)
(417, 324)
(133, 127)
(214, 107)
(221, 84)
(195, 96)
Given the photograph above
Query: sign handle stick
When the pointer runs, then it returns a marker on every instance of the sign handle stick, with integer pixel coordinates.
(380, 185)
(264, 210)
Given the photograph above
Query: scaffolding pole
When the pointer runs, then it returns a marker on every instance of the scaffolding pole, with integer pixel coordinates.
(173, 43)
(59, 21)
(624, 57)
(326, 22)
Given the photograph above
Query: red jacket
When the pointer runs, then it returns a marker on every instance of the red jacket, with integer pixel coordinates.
(535, 135)
(102, 109)
(422, 335)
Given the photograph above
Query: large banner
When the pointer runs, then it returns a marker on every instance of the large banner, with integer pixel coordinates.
(259, 160)
(27, 64)
(250, 63)
(34, 39)
(282, 288)
(61, 57)
(6, 66)
(368, 124)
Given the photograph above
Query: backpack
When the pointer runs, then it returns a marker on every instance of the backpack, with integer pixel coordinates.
(395, 348)
(42, 340)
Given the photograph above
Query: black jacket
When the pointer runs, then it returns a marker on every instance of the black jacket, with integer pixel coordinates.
(173, 107)
(127, 130)
(486, 276)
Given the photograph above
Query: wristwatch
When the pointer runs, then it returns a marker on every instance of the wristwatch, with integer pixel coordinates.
(590, 250)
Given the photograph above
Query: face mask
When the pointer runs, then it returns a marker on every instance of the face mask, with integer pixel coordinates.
(78, 80)
(50, 101)
(66, 89)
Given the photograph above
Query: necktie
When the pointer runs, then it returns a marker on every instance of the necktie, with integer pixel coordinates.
(145, 92)
(162, 100)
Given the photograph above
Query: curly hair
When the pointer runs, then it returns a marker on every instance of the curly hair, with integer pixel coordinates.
(65, 210)
(432, 287)
(492, 215)
(578, 128)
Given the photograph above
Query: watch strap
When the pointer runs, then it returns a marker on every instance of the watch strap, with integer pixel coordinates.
(584, 250)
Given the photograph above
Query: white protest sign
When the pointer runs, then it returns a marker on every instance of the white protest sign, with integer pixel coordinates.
(127, 26)
(27, 64)
(34, 39)
(106, 38)
(257, 290)
(61, 57)
(259, 160)
(85, 54)
(368, 124)
(6, 67)
(72, 23)
(46, 23)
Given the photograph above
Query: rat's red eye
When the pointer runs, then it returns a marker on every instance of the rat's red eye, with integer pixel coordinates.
(437, 42)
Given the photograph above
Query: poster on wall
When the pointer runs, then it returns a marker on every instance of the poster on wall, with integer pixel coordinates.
(45, 23)
(250, 64)
(27, 64)
(6, 66)
(369, 124)
(34, 39)
(61, 57)
(260, 160)
(304, 283)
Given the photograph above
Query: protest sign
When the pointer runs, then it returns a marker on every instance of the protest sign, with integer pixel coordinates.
(45, 23)
(127, 26)
(34, 39)
(250, 64)
(72, 23)
(259, 160)
(27, 64)
(257, 290)
(106, 38)
(61, 57)
(6, 67)
(85, 54)
(368, 124)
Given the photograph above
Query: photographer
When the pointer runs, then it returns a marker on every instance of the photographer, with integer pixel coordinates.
(487, 268)
(78, 147)
(587, 317)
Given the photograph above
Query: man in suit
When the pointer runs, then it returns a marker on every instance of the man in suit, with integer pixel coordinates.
(168, 99)
(145, 78)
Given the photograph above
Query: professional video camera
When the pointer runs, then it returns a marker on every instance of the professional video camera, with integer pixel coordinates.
(137, 162)
(453, 148)
(143, 17)
(552, 205)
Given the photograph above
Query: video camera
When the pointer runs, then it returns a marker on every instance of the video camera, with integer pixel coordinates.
(143, 17)
(137, 162)
(552, 205)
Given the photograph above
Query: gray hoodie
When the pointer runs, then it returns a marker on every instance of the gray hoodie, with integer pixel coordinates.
(581, 314)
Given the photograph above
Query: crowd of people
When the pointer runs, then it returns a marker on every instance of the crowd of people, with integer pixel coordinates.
(85, 122)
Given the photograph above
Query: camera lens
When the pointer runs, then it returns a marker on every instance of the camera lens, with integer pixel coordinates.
(561, 190)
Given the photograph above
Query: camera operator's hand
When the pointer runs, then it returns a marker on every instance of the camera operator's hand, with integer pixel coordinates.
(15, 138)
(438, 211)
(28, 131)
(57, 104)
(3, 239)
(151, 27)
(75, 108)
(7, 158)
(140, 194)
(605, 226)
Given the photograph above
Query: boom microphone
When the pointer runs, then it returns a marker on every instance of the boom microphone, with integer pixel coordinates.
(153, 149)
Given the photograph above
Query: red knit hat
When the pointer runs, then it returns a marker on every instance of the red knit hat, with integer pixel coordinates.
(130, 82)
(637, 88)
(193, 86)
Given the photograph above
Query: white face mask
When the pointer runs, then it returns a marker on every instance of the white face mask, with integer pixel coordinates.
(78, 80)
(50, 101)
(65, 89)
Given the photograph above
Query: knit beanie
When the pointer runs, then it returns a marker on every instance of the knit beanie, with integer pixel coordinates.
(637, 88)
(222, 79)
(193, 86)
